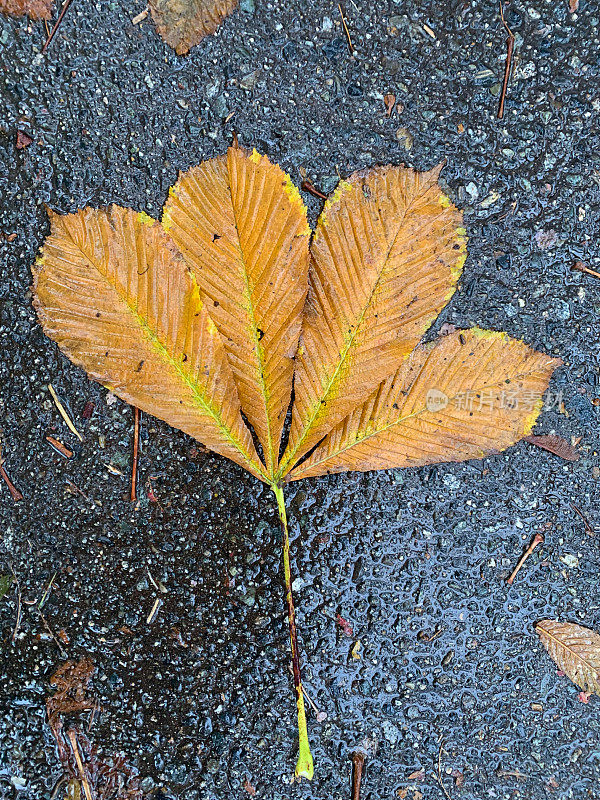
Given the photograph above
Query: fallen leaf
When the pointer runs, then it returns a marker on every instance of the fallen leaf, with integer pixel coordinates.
(5, 584)
(374, 291)
(255, 285)
(23, 139)
(576, 651)
(204, 321)
(556, 445)
(344, 625)
(389, 101)
(418, 775)
(34, 9)
(584, 697)
(355, 652)
(184, 23)
(249, 788)
(445, 403)
(96, 295)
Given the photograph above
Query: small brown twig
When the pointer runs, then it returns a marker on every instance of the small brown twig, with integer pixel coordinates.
(14, 492)
(510, 46)
(307, 186)
(136, 442)
(63, 11)
(59, 447)
(82, 776)
(581, 267)
(346, 31)
(358, 763)
(588, 528)
(537, 539)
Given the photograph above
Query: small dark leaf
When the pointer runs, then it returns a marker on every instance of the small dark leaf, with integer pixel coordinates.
(556, 445)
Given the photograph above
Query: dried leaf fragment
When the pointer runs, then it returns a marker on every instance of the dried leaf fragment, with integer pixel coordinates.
(117, 297)
(575, 649)
(184, 23)
(466, 395)
(34, 9)
(555, 445)
(386, 256)
(241, 226)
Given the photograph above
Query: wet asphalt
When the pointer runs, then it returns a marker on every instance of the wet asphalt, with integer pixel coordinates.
(199, 699)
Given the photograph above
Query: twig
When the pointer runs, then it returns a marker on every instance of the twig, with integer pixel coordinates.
(358, 762)
(84, 781)
(588, 528)
(307, 186)
(63, 11)
(581, 267)
(59, 447)
(154, 611)
(14, 492)
(63, 652)
(537, 539)
(510, 46)
(18, 619)
(63, 413)
(140, 17)
(136, 442)
(439, 771)
(346, 31)
(320, 715)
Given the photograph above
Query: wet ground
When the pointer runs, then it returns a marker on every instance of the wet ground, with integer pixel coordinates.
(199, 699)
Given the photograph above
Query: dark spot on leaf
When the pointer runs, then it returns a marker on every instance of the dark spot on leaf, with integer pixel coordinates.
(139, 366)
(215, 236)
(260, 334)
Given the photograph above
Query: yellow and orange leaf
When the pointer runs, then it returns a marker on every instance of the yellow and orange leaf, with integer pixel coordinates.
(385, 258)
(184, 23)
(464, 396)
(117, 297)
(241, 226)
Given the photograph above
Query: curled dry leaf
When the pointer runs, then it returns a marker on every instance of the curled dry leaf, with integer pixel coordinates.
(575, 649)
(205, 321)
(184, 23)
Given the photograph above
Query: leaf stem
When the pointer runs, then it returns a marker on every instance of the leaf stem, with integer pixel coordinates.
(304, 766)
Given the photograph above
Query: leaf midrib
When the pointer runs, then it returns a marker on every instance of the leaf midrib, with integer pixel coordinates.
(269, 455)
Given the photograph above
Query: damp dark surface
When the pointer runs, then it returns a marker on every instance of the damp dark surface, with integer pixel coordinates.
(200, 698)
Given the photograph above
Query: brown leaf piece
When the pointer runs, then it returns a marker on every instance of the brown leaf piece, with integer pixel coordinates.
(114, 293)
(386, 255)
(469, 394)
(555, 445)
(575, 649)
(184, 23)
(34, 9)
(241, 225)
